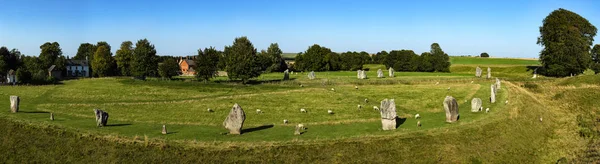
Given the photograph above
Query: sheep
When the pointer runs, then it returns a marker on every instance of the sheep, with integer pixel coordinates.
(355, 87)
(506, 102)
(209, 110)
(301, 126)
(418, 123)
(330, 111)
(540, 118)
(375, 108)
(366, 101)
(448, 88)
(417, 116)
(471, 82)
(436, 83)
(285, 121)
(258, 111)
(301, 85)
(332, 89)
(359, 106)
(303, 110)
(487, 110)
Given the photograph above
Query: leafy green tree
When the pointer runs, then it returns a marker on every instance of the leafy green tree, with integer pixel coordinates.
(206, 63)
(124, 57)
(426, 64)
(242, 62)
(441, 60)
(85, 51)
(380, 57)
(264, 60)
(51, 54)
(277, 62)
(484, 55)
(144, 59)
(567, 39)
(403, 60)
(168, 68)
(313, 58)
(351, 61)
(333, 62)
(23, 76)
(4, 53)
(596, 59)
(102, 63)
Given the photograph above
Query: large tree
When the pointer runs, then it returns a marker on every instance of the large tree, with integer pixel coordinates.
(4, 53)
(567, 39)
(596, 59)
(144, 59)
(85, 51)
(51, 54)
(313, 58)
(277, 62)
(103, 61)
(484, 55)
(168, 68)
(333, 62)
(124, 57)
(242, 62)
(206, 63)
(440, 60)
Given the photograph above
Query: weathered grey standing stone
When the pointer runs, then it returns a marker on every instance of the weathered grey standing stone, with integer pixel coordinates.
(451, 108)
(388, 114)
(235, 120)
(478, 72)
(358, 75)
(14, 104)
(361, 74)
(476, 105)
(164, 129)
(498, 84)
(380, 74)
(286, 75)
(298, 129)
(391, 72)
(101, 117)
(489, 75)
(52, 116)
(493, 94)
(311, 75)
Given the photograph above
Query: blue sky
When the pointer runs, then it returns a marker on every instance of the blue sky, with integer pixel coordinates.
(503, 28)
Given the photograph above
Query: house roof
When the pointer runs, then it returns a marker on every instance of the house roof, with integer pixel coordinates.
(71, 62)
(190, 62)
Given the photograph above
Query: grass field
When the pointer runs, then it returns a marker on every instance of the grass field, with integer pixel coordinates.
(510, 133)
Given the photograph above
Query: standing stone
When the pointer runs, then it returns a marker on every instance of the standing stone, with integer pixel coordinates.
(235, 119)
(388, 114)
(286, 75)
(391, 72)
(478, 72)
(451, 108)
(101, 117)
(311, 75)
(535, 73)
(14, 104)
(476, 105)
(493, 94)
(498, 84)
(51, 116)
(358, 74)
(380, 73)
(298, 130)
(164, 129)
(361, 74)
(489, 75)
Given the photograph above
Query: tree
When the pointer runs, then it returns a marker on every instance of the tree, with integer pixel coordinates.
(566, 38)
(379, 58)
(333, 62)
(264, 60)
(596, 59)
(206, 63)
(102, 63)
(51, 54)
(168, 68)
(85, 51)
(144, 59)
(426, 64)
(242, 62)
(277, 62)
(124, 57)
(484, 55)
(4, 53)
(440, 60)
(351, 61)
(313, 58)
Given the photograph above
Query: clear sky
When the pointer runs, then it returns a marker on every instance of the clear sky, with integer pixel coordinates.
(503, 28)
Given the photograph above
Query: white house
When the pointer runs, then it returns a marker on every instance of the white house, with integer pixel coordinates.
(77, 68)
(11, 77)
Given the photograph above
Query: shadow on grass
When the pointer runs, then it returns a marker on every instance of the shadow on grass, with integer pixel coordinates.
(118, 124)
(263, 127)
(254, 82)
(400, 121)
(33, 112)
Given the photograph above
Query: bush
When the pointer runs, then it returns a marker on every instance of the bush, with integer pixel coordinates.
(484, 55)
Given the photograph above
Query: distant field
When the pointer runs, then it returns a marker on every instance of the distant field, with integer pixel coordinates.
(494, 61)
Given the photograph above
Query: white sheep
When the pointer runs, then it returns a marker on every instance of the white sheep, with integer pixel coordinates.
(418, 123)
(332, 89)
(359, 106)
(330, 111)
(258, 111)
(540, 118)
(301, 126)
(355, 87)
(209, 110)
(487, 110)
(436, 83)
(285, 121)
(417, 116)
(375, 108)
(471, 82)
(303, 110)
(301, 85)
(448, 88)
(506, 102)
(366, 100)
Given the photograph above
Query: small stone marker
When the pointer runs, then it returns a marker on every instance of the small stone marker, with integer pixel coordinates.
(380, 74)
(498, 84)
(298, 129)
(164, 129)
(101, 117)
(476, 105)
(478, 72)
(493, 94)
(361, 74)
(451, 108)
(311, 75)
(388, 114)
(286, 75)
(391, 72)
(489, 71)
(235, 120)
(51, 116)
(14, 104)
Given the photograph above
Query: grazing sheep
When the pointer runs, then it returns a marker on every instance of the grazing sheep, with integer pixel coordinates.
(301, 127)
(417, 116)
(330, 111)
(375, 108)
(448, 88)
(355, 87)
(303, 110)
(471, 82)
(301, 85)
(366, 101)
(418, 123)
(487, 110)
(332, 89)
(466, 101)
(506, 102)
(285, 121)
(258, 111)
(209, 110)
(359, 106)
(436, 83)
(540, 118)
